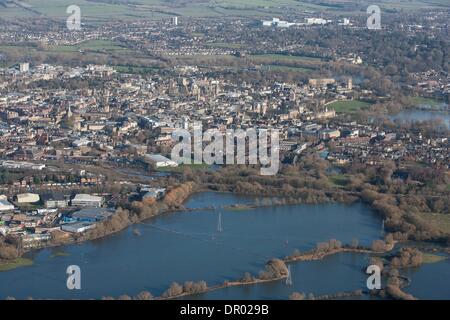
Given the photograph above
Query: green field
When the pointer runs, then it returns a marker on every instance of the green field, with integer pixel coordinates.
(413, 4)
(418, 101)
(102, 11)
(134, 69)
(349, 106)
(286, 63)
(103, 50)
(264, 58)
(339, 180)
(91, 45)
(273, 67)
(225, 45)
(267, 62)
(440, 221)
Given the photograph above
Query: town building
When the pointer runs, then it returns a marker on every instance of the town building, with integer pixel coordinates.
(5, 205)
(160, 161)
(54, 200)
(77, 227)
(27, 198)
(87, 200)
(91, 215)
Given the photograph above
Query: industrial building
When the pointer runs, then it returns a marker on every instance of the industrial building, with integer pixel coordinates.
(55, 200)
(77, 227)
(160, 161)
(276, 22)
(153, 193)
(28, 198)
(5, 205)
(87, 200)
(90, 215)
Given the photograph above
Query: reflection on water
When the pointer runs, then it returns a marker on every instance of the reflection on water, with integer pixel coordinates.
(337, 273)
(421, 115)
(430, 281)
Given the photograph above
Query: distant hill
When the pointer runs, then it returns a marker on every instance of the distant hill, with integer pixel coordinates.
(132, 9)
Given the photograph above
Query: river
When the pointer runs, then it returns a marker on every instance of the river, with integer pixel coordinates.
(421, 115)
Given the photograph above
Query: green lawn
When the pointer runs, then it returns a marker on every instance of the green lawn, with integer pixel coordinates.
(339, 180)
(286, 63)
(413, 4)
(282, 58)
(418, 101)
(93, 45)
(349, 106)
(134, 69)
(273, 67)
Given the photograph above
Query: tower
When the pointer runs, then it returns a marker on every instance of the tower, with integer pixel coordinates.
(350, 84)
(69, 113)
(289, 277)
(219, 223)
(105, 101)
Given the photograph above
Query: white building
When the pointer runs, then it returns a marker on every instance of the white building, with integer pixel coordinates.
(5, 205)
(87, 200)
(319, 21)
(77, 227)
(160, 161)
(153, 193)
(345, 22)
(54, 200)
(22, 165)
(28, 198)
(4, 230)
(175, 21)
(24, 67)
(276, 22)
(80, 142)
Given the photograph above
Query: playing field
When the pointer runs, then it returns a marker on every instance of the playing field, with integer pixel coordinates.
(350, 106)
(91, 45)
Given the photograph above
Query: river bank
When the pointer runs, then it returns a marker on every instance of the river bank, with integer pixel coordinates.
(123, 218)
